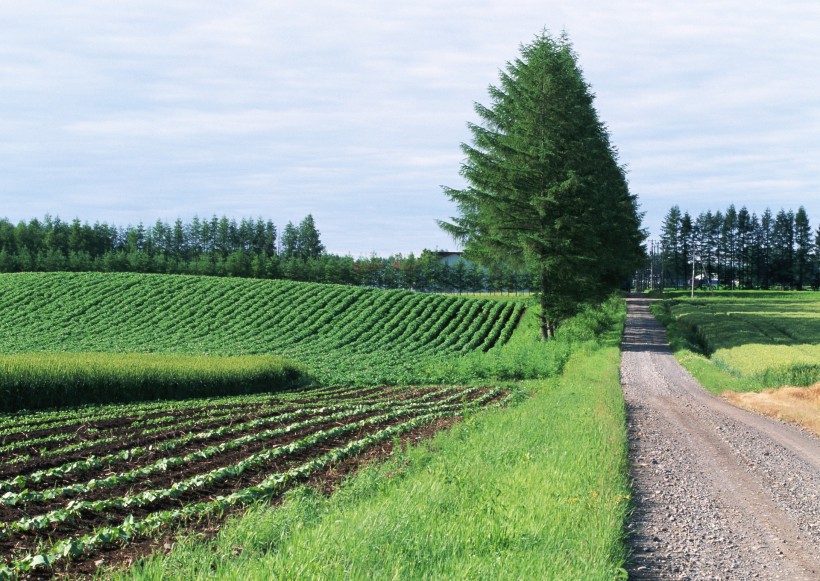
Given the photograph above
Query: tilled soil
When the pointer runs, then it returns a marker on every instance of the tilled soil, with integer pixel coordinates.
(718, 492)
(19, 543)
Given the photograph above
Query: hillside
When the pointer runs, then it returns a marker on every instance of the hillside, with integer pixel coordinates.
(343, 334)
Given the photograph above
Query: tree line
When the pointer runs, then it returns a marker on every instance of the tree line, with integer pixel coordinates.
(739, 249)
(220, 246)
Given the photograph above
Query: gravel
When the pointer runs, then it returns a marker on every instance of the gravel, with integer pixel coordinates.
(718, 492)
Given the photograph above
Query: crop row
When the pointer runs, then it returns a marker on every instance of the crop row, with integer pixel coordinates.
(340, 333)
(270, 415)
(71, 440)
(223, 467)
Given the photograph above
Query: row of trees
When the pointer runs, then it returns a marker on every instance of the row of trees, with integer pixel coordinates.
(225, 247)
(215, 246)
(739, 249)
(179, 242)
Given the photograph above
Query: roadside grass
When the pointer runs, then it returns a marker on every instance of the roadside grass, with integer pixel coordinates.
(44, 380)
(535, 491)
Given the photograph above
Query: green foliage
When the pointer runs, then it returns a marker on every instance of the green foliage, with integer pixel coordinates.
(302, 242)
(536, 491)
(545, 189)
(342, 334)
(738, 249)
(38, 380)
(525, 357)
(223, 247)
(753, 340)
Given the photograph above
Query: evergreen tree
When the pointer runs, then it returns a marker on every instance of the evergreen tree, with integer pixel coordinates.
(816, 271)
(545, 190)
(755, 251)
(708, 227)
(310, 245)
(744, 242)
(671, 245)
(803, 243)
(728, 242)
(783, 246)
(687, 236)
(290, 241)
(766, 238)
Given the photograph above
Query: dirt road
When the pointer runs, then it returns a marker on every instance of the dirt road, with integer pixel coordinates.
(719, 492)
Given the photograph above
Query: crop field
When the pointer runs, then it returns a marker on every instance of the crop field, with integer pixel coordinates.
(342, 334)
(76, 481)
(312, 381)
(765, 340)
(42, 380)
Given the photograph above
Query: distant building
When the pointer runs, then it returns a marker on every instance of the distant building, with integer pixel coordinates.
(451, 258)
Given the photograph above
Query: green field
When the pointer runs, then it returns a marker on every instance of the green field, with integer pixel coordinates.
(42, 380)
(536, 489)
(343, 334)
(746, 341)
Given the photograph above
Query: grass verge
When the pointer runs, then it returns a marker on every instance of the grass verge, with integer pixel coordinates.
(536, 491)
(752, 350)
(690, 349)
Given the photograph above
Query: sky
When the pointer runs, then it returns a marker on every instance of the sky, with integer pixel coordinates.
(354, 112)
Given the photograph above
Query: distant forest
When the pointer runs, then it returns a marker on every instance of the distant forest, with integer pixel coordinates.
(738, 249)
(251, 248)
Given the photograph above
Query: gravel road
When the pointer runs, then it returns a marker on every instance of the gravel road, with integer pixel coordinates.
(719, 492)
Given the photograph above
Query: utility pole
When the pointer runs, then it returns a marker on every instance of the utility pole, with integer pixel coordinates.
(694, 258)
(662, 281)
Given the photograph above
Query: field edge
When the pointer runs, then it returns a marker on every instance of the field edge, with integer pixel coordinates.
(567, 516)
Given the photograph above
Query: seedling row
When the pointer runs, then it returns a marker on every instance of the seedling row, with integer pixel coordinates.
(162, 466)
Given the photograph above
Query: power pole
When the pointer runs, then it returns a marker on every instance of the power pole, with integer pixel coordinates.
(694, 258)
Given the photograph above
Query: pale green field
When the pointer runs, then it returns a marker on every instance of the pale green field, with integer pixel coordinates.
(758, 340)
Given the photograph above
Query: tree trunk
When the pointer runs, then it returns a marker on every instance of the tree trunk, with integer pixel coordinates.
(547, 329)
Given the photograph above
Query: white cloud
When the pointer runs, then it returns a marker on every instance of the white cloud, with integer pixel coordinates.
(355, 111)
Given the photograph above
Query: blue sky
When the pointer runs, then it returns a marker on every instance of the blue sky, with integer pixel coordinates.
(131, 111)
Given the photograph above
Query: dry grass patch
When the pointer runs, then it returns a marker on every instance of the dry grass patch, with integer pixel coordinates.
(799, 405)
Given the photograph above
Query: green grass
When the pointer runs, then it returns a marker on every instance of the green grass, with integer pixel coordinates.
(537, 491)
(746, 341)
(40, 380)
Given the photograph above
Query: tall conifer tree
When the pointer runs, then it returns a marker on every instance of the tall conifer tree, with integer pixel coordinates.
(545, 189)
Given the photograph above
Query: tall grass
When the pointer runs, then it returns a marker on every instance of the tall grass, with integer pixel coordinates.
(40, 380)
(537, 491)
